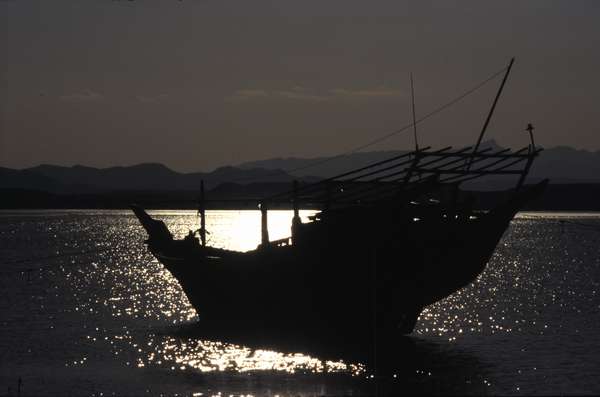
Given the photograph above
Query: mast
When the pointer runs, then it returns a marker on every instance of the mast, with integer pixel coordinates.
(489, 116)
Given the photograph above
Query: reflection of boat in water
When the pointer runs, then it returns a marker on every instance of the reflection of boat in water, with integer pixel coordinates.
(390, 239)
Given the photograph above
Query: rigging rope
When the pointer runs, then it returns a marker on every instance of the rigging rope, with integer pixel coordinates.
(404, 128)
(388, 135)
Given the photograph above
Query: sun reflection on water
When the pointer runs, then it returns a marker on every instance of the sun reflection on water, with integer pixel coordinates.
(209, 356)
(125, 305)
(232, 229)
(133, 285)
(517, 285)
(141, 288)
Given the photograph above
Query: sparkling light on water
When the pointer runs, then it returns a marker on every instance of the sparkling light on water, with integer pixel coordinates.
(82, 291)
(141, 288)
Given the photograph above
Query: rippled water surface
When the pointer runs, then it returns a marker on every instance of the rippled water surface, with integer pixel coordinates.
(86, 310)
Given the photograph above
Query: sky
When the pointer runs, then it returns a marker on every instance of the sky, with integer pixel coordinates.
(198, 84)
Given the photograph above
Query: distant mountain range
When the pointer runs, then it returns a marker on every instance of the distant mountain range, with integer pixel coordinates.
(561, 164)
(148, 177)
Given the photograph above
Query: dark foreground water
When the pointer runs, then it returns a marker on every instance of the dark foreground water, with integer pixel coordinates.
(85, 310)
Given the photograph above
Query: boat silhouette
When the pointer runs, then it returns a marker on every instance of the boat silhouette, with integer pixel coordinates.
(390, 239)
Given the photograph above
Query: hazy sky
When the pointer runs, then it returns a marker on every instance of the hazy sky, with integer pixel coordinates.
(197, 84)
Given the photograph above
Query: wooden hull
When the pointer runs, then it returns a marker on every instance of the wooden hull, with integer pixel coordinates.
(347, 277)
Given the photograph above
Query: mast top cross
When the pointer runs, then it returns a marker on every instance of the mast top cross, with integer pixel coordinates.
(530, 130)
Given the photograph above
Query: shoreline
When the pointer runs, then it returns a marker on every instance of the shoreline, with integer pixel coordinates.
(557, 197)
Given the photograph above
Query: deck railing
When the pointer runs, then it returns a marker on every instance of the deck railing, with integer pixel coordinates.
(384, 179)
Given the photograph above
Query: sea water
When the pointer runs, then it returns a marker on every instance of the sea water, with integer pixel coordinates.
(86, 310)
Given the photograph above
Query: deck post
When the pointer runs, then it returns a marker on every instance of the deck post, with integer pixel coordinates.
(264, 229)
(295, 200)
(328, 188)
(411, 170)
(296, 219)
(525, 170)
(202, 210)
(530, 130)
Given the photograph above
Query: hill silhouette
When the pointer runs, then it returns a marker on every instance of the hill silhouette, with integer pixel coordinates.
(574, 175)
(149, 177)
(561, 164)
